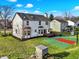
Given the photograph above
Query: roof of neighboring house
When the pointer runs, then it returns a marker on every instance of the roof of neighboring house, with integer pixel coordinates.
(74, 21)
(59, 17)
(62, 21)
(32, 17)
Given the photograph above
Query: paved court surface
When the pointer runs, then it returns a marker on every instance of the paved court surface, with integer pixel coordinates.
(59, 44)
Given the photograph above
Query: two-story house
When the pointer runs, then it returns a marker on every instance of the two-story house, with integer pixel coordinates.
(30, 25)
(58, 25)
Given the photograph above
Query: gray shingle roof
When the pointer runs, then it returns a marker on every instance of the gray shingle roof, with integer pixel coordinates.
(74, 20)
(62, 21)
(32, 17)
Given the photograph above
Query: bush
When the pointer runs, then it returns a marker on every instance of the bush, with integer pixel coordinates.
(10, 34)
(66, 33)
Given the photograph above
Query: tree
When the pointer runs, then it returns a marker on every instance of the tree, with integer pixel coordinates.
(68, 28)
(76, 18)
(67, 15)
(6, 12)
(51, 17)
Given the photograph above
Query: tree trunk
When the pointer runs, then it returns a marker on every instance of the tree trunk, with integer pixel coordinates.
(5, 27)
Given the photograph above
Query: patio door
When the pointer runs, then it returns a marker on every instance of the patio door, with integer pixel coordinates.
(45, 31)
(42, 31)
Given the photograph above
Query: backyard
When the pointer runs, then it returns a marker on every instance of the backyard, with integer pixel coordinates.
(16, 49)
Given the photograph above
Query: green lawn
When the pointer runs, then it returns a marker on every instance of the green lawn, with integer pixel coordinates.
(15, 49)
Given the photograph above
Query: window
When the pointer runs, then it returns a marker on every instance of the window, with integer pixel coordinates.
(16, 30)
(78, 25)
(25, 33)
(27, 22)
(35, 30)
(39, 32)
(39, 22)
(29, 33)
(44, 31)
(46, 23)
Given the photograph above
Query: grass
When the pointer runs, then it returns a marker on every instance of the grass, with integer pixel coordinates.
(15, 49)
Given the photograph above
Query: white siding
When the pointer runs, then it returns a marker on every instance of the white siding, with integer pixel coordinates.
(55, 26)
(71, 23)
(17, 25)
(34, 26)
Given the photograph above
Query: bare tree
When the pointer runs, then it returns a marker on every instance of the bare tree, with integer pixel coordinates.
(67, 15)
(6, 13)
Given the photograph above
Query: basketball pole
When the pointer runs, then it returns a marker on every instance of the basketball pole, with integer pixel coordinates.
(77, 39)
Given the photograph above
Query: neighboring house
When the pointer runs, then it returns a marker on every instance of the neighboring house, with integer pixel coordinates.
(71, 23)
(58, 25)
(76, 22)
(30, 25)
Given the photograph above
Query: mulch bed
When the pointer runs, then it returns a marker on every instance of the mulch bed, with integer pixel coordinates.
(66, 41)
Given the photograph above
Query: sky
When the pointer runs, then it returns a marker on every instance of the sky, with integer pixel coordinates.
(56, 7)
